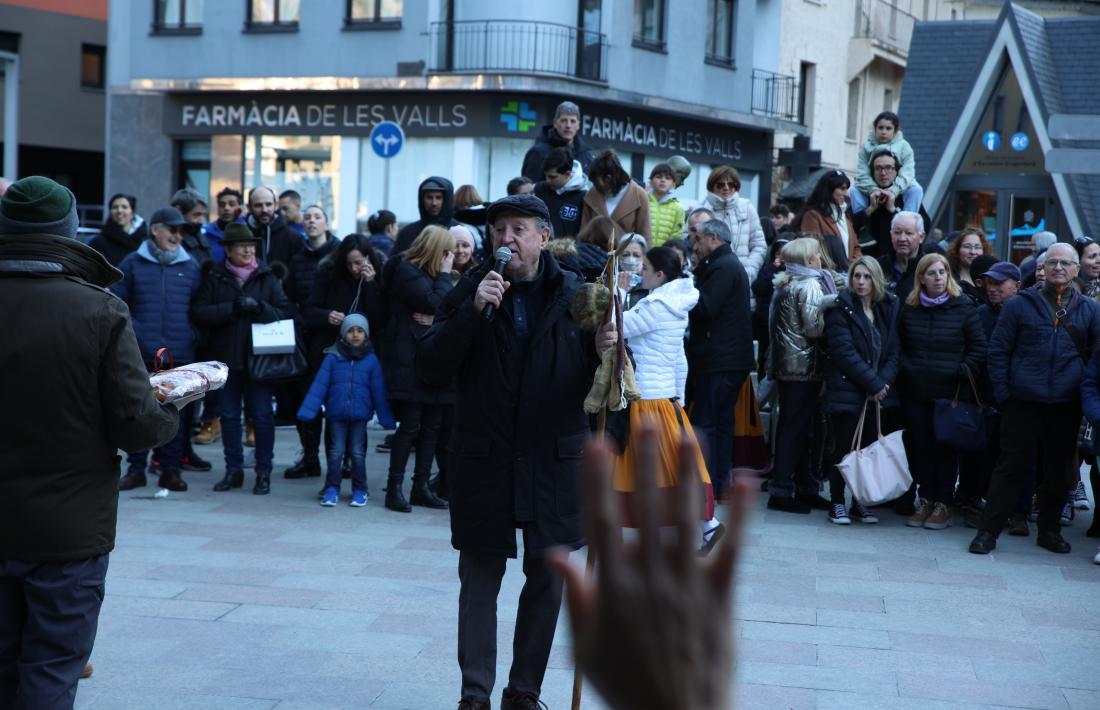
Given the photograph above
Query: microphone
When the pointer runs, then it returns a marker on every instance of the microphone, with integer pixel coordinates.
(503, 256)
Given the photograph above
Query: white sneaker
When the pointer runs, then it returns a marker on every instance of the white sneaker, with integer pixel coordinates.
(1081, 497)
(838, 515)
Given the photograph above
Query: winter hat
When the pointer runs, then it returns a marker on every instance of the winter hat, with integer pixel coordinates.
(355, 320)
(236, 232)
(38, 205)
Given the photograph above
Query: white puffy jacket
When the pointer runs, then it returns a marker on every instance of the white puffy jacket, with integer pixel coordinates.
(654, 330)
(748, 236)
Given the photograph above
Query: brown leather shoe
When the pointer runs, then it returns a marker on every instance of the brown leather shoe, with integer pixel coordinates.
(210, 432)
(87, 672)
(131, 481)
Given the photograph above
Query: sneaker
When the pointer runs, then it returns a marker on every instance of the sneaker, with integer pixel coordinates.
(838, 515)
(194, 462)
(1096, 560)
(358, 499)
(1068, 512)
(921, 514)
(939, 519)
(1017, 525)
(1081, 497)
(711, 538)
(330, 497)
(860, 514)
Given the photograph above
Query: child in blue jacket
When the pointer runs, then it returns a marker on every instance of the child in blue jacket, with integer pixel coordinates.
(350, 386)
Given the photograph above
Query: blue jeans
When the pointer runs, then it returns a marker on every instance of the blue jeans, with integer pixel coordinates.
(169, 455)
(257, 398)
(910, 199)
(350, 437)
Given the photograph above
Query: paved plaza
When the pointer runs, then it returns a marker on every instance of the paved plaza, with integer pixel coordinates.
(239, 602)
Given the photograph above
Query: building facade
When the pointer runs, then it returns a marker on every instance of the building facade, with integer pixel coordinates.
(286, 93)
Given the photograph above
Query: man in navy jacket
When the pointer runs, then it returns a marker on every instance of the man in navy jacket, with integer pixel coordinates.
(1037, 357)
(158, 282)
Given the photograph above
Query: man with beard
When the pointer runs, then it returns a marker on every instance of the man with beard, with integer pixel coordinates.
(875, 222)
(436, 202)
(563, 133)
(278, 240)
(193, 208)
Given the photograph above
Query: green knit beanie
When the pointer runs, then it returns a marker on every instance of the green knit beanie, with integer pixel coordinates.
(36, 199)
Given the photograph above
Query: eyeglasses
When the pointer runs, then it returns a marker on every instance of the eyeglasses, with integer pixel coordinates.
(885, 169)
(1060, 263)
(725, 184)
(970, 247)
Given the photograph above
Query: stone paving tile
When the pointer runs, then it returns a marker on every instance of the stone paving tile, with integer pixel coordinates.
(240, 594)
(1045, 673)
(817, 677)
(1081, 699)
(129, 700)
(931, 663)
(799, 654)
(814, 634)
(166, 608)
(752, 696)
(1021, 649)
(834, 700)
(998, 693)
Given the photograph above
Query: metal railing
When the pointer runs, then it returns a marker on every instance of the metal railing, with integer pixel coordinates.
(889, 22)
(775, 95)
(518, 46)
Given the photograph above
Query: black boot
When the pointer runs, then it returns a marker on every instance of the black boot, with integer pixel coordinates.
(263, 484)
(438, 485)
(172, 480)
(233, 479)
(422, 495)
(395, 499)
(308, 467)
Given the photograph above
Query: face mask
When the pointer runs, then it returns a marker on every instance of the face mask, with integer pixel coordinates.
(631, 264)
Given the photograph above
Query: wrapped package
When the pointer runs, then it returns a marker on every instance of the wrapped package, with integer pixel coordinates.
(188, 381)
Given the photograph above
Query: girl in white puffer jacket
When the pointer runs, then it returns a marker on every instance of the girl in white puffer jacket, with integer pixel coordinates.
(654, 331)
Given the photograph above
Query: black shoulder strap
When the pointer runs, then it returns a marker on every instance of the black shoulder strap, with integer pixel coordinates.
(1075, 336)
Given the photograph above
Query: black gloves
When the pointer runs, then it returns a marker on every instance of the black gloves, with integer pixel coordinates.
(246, 305)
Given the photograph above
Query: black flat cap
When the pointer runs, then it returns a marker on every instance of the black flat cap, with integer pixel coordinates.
(169, 216)
(528, 205)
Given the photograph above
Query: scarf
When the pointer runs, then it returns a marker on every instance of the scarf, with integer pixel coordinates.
(841, 224)
(353, 353)
(164, 256)
(929, 302)
(822, 275)
(241, 273)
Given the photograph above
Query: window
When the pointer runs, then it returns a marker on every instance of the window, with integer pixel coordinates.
(807, 76)
(177, 16)
(273, 15)
(374, 14)
(720, 31)
(93, 66)
(649, 23)
(853, 111)
(9, 42)
(887, 99)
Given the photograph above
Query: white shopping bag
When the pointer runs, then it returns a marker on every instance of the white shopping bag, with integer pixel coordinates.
(879, 472)
(273, 338)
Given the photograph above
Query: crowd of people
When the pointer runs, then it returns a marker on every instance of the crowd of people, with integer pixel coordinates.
(485, 367)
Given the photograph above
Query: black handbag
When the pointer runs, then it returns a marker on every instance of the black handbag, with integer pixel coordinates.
(277, 368)
(961, 425)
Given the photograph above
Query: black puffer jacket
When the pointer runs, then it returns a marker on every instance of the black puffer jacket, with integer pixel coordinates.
(935, 343)
(445, 218)
(303, 272)
(536, 155)
(278, 240)
(197, 244)
(229, 333)
(335, 290)
(410, 290)
(115, 244)
(720, 324)
(853, 368)
(583, 258)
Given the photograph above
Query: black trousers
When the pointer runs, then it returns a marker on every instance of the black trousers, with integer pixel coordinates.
(536, 621)
(935, 466)
(713, 399)
(1023, 426)
(418, 424)
(49, 612)
(842, 428)
(798, 440)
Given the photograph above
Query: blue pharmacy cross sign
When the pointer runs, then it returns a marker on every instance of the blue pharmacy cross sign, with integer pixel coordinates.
(386, 139)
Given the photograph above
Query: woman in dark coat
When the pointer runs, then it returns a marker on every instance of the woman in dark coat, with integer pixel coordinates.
(416, 282)
(862, 362)
(348, 281)
(123, 232)
(235, 294)
(940, 333)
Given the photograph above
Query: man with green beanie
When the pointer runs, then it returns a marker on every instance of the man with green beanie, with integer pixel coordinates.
(72, 361)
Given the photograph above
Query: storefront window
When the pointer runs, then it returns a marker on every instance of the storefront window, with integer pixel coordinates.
(1028, 216)
(195, 166)
(308, 164)
(977, 209)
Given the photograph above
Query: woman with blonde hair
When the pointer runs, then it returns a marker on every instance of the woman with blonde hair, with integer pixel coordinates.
(416, 282)
(961, 253)
(863, 359)
(941, 339)
(802, 293)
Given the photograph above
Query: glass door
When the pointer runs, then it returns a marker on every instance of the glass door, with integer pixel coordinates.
(1027, 214)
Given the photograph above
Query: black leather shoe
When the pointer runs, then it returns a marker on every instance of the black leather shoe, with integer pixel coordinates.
(308, 467)
(788, 505)
(983, 543)
(468, 704)
(233, 479)
(131, 481)
(422, 495)
(511, 700)
(172, 480)
(395, 499)
(1053, 541)
(194, 462)
(263, 484)
(815, 501)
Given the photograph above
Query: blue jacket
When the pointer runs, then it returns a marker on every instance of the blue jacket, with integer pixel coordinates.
(1034, 360)
(159, 298)
(1090, 391)
(351, 390)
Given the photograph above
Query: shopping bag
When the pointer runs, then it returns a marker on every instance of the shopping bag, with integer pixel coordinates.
(276, 338)
(961, 425)
(878, 472)
(280, 367)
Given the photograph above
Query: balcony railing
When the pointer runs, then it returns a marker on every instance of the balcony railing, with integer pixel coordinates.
(888, 22)
(775, 95)
(469, 46)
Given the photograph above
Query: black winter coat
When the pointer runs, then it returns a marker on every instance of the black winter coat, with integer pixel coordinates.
(520, 426)
(565, 209)
(76, 391)
(278, 240)
(335, 290)
(229, 333)
(116, 244)
(901, 286)
(935, 343)
(720, 325)
(197, 244)
(410, 290)
(302, 272)
(536, 155)
(852, 372)
(445, 218)
(877, 227)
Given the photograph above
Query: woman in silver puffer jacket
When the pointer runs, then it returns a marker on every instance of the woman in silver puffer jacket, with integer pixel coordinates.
(797, 319)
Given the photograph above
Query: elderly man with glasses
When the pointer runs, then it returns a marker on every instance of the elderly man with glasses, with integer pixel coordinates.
(1037, 357)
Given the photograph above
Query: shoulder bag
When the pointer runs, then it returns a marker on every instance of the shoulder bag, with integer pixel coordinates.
(961, 425)
(878, 472)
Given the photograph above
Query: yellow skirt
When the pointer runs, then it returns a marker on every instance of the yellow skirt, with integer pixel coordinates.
(672, 424)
